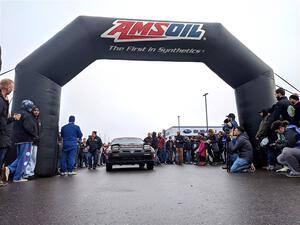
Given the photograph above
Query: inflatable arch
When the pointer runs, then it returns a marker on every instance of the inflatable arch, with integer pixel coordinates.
(41, 75)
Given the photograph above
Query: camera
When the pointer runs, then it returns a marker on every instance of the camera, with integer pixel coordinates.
(227, 126)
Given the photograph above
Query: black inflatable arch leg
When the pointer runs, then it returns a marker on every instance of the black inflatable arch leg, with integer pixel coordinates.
(46, 95)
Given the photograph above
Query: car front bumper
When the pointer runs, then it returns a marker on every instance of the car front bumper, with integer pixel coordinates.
(129, 158)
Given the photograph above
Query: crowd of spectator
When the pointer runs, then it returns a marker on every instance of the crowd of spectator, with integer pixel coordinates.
(278, 138)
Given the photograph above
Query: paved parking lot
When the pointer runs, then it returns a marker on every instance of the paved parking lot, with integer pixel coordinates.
(167, 195)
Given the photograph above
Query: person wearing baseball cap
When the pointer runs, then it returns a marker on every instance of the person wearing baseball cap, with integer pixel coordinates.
(231, 118)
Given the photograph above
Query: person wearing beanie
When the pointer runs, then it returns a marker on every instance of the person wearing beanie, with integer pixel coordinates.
(70, 134)
(294, 110)
(24, 132)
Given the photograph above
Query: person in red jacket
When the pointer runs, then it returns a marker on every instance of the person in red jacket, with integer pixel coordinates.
(161, 149)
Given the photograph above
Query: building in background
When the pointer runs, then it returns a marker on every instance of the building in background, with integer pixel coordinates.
(189, 130)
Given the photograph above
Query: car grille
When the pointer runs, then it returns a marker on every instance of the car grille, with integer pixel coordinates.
(130, 158)
(131, 149)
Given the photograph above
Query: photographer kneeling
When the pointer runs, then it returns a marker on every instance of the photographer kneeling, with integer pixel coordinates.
(243, 152)
(290, 155)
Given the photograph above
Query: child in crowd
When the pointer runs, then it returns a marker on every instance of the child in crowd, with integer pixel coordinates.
(201, 152)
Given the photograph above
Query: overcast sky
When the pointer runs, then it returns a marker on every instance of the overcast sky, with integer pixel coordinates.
(130, 98)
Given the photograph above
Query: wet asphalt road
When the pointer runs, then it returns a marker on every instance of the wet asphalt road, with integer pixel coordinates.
(168, 195)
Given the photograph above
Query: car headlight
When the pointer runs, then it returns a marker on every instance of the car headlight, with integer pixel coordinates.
(115, 148)
(147, 147)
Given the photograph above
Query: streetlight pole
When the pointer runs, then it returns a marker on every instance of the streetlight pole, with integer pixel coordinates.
(206, 111)
(178, 123)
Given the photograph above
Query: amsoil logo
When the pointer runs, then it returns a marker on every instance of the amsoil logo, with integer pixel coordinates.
(130, 31)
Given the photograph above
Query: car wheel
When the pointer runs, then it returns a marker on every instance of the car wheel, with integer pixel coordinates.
(141, 165)
(108, 167)
(150, 166)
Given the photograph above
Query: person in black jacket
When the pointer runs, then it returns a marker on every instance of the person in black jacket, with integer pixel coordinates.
(244, 152)
(6, 87)
(94, 144)
(294, 110)
(279, 110)
(213, 147)
(170, 147)
(25, 131)
(154, 141)
(188, 150)
(29, 173)
(179, 142)
(148, 139)
(290, 145)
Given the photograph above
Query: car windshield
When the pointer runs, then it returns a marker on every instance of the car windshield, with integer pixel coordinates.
(127, 141)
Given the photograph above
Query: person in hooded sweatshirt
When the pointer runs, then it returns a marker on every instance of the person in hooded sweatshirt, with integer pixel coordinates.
(70, 134)
(29, 172)
(242, 159)
(24, 133)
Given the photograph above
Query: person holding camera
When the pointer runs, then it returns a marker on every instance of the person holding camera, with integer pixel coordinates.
(290, 155)
(231, 121)
(243, 152)
(275, 145)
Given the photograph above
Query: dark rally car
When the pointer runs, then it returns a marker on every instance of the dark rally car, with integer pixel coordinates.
(130, 151)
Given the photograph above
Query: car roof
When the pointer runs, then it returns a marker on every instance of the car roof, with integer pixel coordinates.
(123, 138)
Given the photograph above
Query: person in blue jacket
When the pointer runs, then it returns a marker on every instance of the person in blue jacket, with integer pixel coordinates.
(24, 133)
(70, 134)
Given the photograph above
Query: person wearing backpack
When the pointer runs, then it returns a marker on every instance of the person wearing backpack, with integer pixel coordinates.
(290, 155)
